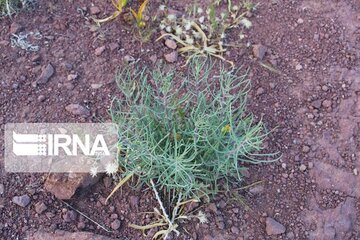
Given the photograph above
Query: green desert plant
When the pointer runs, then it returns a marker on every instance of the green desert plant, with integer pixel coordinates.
(184, 137)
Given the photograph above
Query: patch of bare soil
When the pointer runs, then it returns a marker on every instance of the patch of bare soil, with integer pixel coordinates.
(312, 103)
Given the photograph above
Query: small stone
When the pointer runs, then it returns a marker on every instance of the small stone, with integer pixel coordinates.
(81, 225)
(41, 98)
(171, 57)
(316, 104)
(68, 66)
(235, 230)
(15, 28)
(222, 204)
(256, 189)
(170, 44)
(15, 86)
(283, 165)
(77, 109)
(326, 103)
(94, 10)
(107, 182)
(259, 51)
(2, 189)
(115, 225)
(298, 67)
(22, 201)
(114, 216)
(272, 85)
(96, 85)
(99, 50)
(325, 88)
(69, 216)
(212, 207)
(302, 167)
(300, 21)
(40, 207)
(153, 58)
(36, 58)
(273, 227)
(113, 46)
(46, 74)
(134, 202)
(311, 165)
(259, 91)
(72, 77)
(305, 149)
(129, 59)
(355, 171)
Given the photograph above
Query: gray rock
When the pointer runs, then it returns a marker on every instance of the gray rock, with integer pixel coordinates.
(273, 227)
(259, 91)
(46, 74)
(257, 189)
(259, 51)
(77, 109)
(22, 201)
(41, 98)
(2, 189)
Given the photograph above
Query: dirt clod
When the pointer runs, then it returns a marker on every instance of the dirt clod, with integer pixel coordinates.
(115, 225)
(40, 207)
(99, 50)
(15, 28)
(94, 10)
(170, 44)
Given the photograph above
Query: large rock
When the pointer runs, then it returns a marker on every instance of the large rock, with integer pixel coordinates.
(63, 235)
(64, 186)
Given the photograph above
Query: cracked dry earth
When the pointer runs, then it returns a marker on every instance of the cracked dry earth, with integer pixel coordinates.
(313, 105)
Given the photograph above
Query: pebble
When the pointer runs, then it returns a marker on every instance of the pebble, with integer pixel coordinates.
(316, 104)
(41, 98)
(259, 91)
(273, 227)
(69, 216)
(355, 171)
(171, 57)
(153, 58)
(326, 103)
(311, 165)
(305, 149)
(99, 50)
(94, 10)
(129, 59)
(107, 182)
(259, 51)
(2, 189)
(325, 88)
(115, 225)
(81, 225)
(77, 109)
(40, 207)
(170, 44)
(72, 77)
(134, 202)
(113, 46)
(235, 230)
(22, 201)
(298, 67)
(302, 167)
(300, 21)
(96, 85)
(46, 74)
(283, 165)
(256, 189)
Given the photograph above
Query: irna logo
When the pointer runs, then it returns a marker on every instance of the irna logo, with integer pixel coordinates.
(56, 144)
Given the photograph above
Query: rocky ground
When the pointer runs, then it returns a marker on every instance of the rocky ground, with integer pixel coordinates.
(312, 102)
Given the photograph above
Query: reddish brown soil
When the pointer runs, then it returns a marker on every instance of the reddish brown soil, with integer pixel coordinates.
(315, 112)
